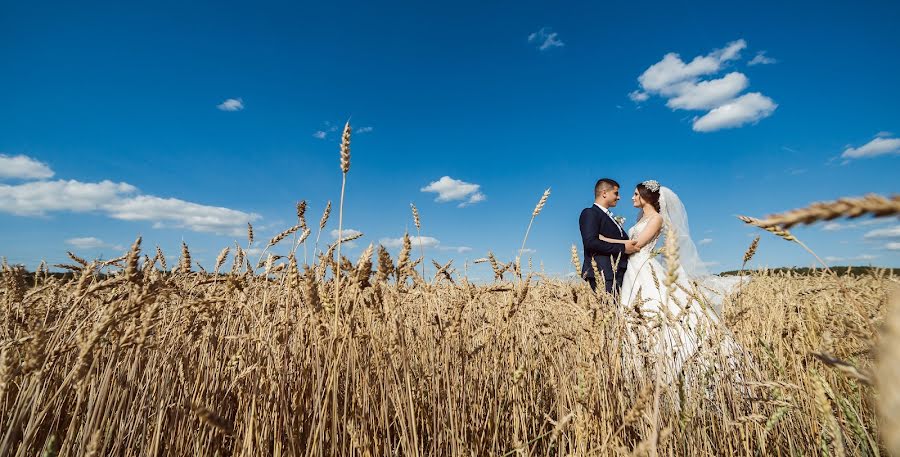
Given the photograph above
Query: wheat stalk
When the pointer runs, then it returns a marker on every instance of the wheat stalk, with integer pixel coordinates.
(784, 234)
(418, 222)
(537, 210)
(345, 167)
(873, 204)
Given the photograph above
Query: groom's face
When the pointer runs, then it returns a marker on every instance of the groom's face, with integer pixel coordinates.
(610, 197)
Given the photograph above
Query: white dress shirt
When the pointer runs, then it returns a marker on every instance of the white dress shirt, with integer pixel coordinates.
(605, 210)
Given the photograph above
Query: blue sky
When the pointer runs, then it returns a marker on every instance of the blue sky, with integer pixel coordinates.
(116, 121)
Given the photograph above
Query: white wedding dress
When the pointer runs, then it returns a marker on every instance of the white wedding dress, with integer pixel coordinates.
(673, 327)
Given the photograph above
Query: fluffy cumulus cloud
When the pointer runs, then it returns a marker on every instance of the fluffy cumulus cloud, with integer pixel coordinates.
(708, 94)
(449, 189)
(172, 212)
(545, 39)
(41, 197)
(119, 200)
(232, 104)
(682, 85)
(23, 167)
(880, 145)
(746, 108)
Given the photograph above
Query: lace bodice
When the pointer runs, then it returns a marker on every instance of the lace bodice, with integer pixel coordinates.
(636, 230)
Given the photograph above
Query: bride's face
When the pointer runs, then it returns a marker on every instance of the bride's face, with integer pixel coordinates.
(636, 199)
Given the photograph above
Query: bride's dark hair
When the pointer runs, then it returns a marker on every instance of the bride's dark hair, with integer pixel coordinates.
(648, 195)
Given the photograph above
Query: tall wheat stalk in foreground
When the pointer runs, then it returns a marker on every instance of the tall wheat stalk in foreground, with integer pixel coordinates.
(537, 210)
(345, 167)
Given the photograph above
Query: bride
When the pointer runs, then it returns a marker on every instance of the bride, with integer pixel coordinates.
(672, 312)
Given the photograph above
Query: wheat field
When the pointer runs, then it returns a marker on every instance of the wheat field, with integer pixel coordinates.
(143, 355)
(158, 361)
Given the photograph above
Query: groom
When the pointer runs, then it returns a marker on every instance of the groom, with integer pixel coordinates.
(598, 220)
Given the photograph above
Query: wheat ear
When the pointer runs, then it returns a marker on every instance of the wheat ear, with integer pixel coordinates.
(876, 205)
(418, 222)
(783, 233)
(537, 210)
(345, 167)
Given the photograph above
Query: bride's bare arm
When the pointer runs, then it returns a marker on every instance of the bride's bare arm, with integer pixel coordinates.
(650, 231)
(613, 240)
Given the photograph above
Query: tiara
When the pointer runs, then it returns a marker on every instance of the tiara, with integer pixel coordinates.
(651, 184)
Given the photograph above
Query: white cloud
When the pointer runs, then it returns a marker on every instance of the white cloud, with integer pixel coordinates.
(761, 59)
(424, 242)
(836, 226)
(878, 146)
(347, 233)
(705, 241)
(416, 241)
(545, 39)
(708, 94)
(320, 134)
(118, 201)
(23, 167)
(638, 96)
(38, 198)
(679, 82)
(893, 246)
(165, 212)
(232, 104)
(253, 251)
(859, 258)
(458, 249)
(366, 129)
(449, 189)
(745, 109)
(664, 75)
(529, 251)
(885, 233)
(88, 242)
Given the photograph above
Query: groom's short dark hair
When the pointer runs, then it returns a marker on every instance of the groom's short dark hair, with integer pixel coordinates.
(604, 184)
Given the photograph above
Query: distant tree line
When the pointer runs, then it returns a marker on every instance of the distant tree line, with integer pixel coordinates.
(806, 271)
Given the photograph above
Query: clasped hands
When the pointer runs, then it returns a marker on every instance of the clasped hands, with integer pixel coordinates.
(631, 247)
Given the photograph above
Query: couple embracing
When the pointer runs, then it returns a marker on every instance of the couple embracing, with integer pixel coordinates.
(624, 263)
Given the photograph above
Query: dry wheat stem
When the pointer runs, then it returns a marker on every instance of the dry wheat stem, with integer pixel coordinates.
(784, 234)
(345, 167)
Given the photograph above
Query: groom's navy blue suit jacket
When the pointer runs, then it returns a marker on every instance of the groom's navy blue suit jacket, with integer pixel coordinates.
(593, 223)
